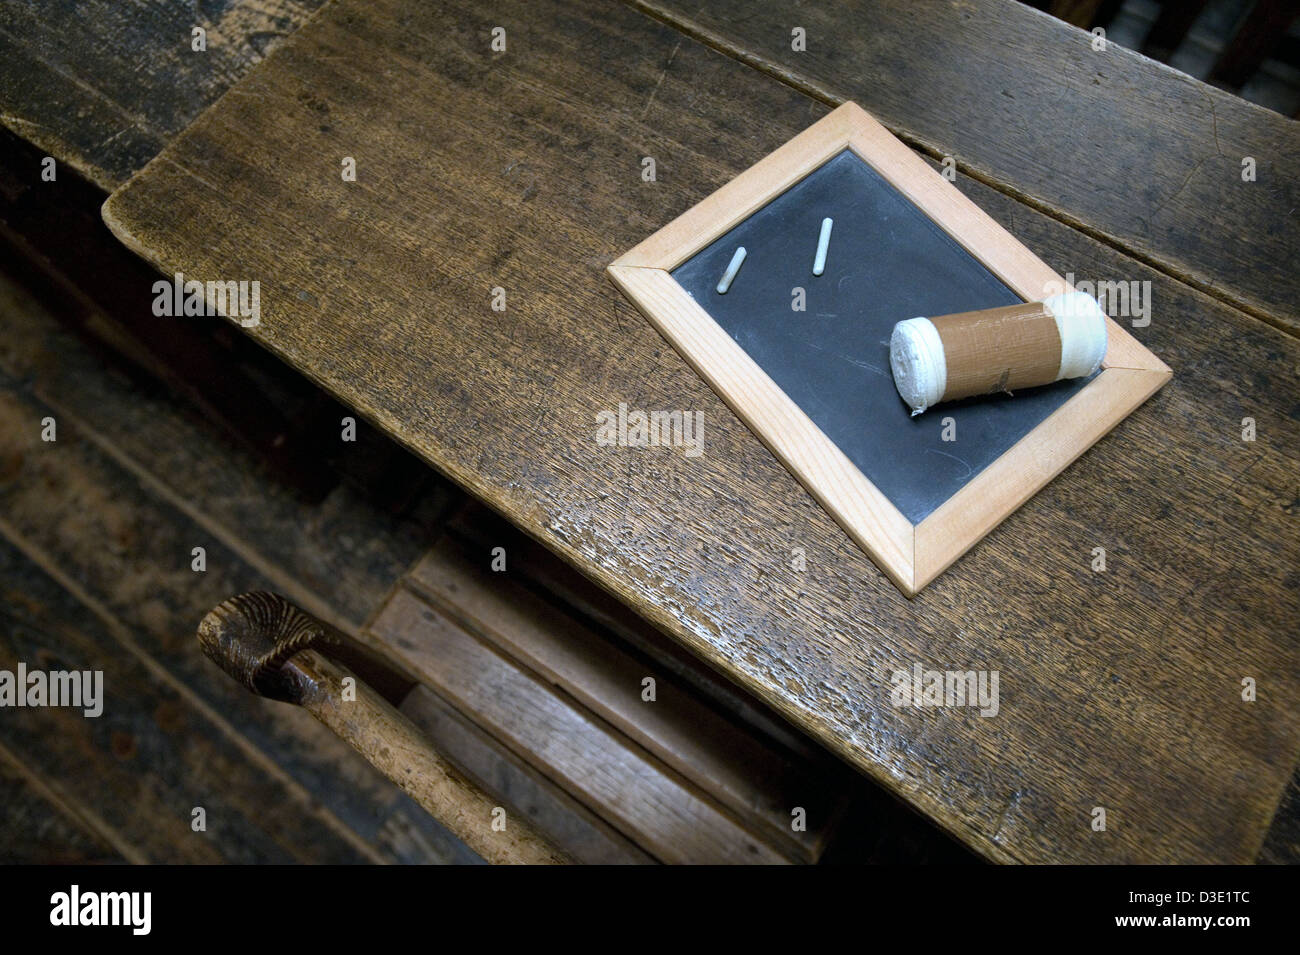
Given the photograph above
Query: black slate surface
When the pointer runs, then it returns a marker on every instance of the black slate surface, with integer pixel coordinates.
(887, 261)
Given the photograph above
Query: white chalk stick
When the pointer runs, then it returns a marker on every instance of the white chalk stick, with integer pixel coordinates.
(724, 283)
(823, 242)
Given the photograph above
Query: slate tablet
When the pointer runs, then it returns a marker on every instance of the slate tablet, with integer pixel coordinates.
(803, 359)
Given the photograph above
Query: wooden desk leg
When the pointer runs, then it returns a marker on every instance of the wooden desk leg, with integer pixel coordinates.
(275, 649)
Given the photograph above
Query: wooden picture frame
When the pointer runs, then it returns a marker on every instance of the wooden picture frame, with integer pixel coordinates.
(910, 555)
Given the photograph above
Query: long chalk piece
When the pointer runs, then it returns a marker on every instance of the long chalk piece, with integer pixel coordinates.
(823, 242)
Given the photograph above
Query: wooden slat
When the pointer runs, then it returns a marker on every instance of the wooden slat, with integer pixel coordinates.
(1170, 27)
(1142, 157)
(338, 559)
(478, 531)
(125, 554)
(520, 787)
(150, 758)
(1254, 41)
(530, 179)
(758, 783)
(628, 789)
(39, 827)
(874, 828)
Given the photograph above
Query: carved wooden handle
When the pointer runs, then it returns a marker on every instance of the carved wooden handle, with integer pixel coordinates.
(272, 647)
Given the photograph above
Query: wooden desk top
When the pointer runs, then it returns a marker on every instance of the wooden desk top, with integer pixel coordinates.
(522, 170)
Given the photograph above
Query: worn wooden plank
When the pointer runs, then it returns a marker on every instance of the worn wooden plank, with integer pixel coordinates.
(1122, 688)
(669, 818)
(39, 827)
(480, 532)
(104, 84)
(338, 558)
(1138, 155)
(874, 828)
(150, 758)
(127, 556)
(520, 787)
(755, 780)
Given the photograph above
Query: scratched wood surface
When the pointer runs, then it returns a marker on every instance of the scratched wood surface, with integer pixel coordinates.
(40, 827)
(521, 170)
(1126, 149)
(1141, 156)
(750, 776)
(149, 759)
(104, 84)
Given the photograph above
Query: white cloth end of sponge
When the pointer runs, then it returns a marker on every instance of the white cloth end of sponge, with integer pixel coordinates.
(1082, 325)
(918, 363)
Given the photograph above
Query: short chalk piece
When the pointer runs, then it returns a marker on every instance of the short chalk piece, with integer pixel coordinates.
(724, 283)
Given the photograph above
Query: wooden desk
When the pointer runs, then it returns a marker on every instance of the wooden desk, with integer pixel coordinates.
(1120, 689)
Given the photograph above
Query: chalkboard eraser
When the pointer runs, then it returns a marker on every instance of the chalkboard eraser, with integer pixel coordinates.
(996, 350)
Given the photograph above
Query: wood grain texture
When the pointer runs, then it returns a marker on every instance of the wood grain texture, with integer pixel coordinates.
(665, 815)
(751, 777)
(103, 85)
(149, 759)
(521, 788)
(84, 509)
(40, 827)
(1139, 156)
(522, 171)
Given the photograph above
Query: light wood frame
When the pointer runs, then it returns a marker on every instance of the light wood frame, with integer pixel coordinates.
(910, 555)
